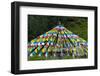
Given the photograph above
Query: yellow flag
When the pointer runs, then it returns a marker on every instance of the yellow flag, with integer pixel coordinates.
(43, 50)
(32, 41)
(36, 50)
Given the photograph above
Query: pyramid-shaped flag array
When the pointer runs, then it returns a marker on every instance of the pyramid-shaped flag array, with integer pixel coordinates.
(58, 42)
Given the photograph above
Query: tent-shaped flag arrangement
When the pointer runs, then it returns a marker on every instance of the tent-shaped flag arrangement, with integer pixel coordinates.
(58, 43)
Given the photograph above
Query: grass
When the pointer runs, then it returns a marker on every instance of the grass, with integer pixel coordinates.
(52, 58)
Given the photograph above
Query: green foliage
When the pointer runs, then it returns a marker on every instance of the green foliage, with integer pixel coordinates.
(39, 24)
(52, 58)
